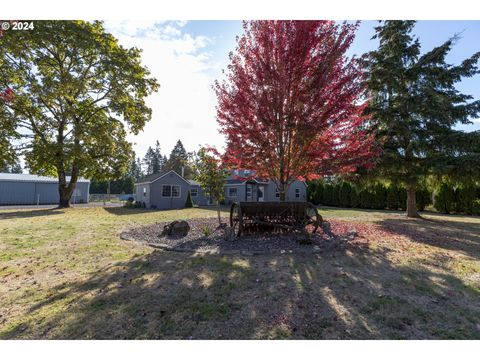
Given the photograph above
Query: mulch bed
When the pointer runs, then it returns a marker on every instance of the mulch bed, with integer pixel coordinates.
(344, 233)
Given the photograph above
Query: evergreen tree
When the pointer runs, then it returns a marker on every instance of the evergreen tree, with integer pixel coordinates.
(189, 202)
(354, 198)
(344, 194)
(311, 188)
(148, 161)
(392, 197)
(415, 106)
(179, 159)
(464, 198)
(444, 198)
(318, 197)
(379, 197)
(157, 158)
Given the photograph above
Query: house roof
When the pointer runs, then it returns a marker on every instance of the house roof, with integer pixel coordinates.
(34, 178)
(240, 181)
(154, 177)
(193, 182)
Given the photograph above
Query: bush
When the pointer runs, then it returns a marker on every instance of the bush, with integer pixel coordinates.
(476, 207)
(318, 196)
(336, 195)
(354, 198)
(133, 204)
(444, 198)
(311, 188)
(189, 202)
(423, 198)
(366, 199)
(402, 198)
(379, 197)
(328, 195)
(464, 198)
(392, 197)
(344, 194)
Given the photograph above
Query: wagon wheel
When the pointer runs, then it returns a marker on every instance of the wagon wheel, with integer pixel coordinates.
(313, 217)
(236, 220)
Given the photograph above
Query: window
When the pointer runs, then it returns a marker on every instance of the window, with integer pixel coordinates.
(171, 191)
(144, 192)
(277, 194)
(194, 192)
(232, 192)
(249, 191)
(297, 193)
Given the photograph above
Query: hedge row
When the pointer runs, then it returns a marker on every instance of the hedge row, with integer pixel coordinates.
(462, 199)
(447, 199)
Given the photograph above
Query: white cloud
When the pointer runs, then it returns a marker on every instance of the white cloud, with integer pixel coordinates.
(184, 106)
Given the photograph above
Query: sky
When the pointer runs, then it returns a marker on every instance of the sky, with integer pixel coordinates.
(186, 57)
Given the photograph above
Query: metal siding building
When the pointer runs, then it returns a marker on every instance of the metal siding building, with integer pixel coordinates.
(26, 189)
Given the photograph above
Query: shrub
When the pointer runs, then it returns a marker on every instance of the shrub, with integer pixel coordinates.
(379, 197)
(366, 199)
(328, 196)
(476, 207)
(354, 198)
(444, 198)
(311, 188)
(318, 196)
(464, 198)
(423, 198)
(336, 195)
(392, 197)
(189, 202)
(402, 198)
(344, 194)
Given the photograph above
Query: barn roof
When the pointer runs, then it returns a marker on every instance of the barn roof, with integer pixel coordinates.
(34, 178)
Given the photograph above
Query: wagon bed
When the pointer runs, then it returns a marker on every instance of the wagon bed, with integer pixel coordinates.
(273, 216)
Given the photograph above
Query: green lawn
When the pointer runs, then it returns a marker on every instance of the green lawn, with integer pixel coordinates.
(67, 274)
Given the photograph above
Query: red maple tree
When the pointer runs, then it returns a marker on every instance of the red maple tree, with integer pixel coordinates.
(291, 106)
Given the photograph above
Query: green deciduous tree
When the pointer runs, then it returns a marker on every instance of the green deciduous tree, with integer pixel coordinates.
(77, 93)
(210, 173)
(415, 106)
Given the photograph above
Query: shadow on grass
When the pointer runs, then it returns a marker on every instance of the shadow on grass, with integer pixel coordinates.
(454, 235)
(29, 213)
(350, 293)
(125, 211)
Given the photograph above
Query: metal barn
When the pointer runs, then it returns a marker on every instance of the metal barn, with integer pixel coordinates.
(26, 189)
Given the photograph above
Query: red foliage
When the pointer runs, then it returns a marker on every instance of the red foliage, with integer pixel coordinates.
(292, 103)
(7, 95)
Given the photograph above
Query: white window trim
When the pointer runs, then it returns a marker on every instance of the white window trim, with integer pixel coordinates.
(144, 192)
(196, 192)
(171, 192)
(297, 193)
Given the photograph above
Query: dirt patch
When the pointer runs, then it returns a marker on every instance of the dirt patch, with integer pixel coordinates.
(206, 237)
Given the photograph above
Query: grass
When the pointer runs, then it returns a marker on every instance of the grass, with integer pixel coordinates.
(66, 274)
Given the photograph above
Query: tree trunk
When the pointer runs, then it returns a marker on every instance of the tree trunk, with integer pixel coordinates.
(218, 213)
(411, 202)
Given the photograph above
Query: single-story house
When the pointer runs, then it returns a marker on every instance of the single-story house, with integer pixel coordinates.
(27, 189)
(168, 190)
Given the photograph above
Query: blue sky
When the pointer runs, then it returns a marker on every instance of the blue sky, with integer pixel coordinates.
(187, 56)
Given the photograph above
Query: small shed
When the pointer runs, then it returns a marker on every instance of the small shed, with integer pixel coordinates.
(27, 189)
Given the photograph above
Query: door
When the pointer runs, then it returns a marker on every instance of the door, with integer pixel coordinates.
(261, 192)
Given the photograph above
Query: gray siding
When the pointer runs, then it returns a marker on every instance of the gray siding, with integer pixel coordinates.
(159, 202)
(28, 193)
(201, 199)
(139, 194)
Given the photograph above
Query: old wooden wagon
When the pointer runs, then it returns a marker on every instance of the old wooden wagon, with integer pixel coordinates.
(274, 216)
